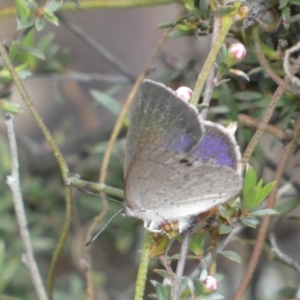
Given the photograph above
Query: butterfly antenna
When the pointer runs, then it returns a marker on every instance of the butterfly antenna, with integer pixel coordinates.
(95, 194)
(101, 230)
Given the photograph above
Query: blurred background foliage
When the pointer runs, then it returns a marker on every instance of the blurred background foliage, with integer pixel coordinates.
(84, 95)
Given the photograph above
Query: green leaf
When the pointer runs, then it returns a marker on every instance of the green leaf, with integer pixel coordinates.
(8, 272)
(5, 74)
(292, 19)
(283, 3)
(39, 24)
(265, 191)
(34, 51)
(224, 212)
(163, 291)
(174, 34)
(165, 25)
(224, 10)
(249, 200)
(198, 287)
(5, 297)
(259, 184)
(32, 5)
(224, 229)
(163, 273)
(283, 209)
(107, 101)
(247, 96)
(214, 296)
(9, 107)
(250, 221)
(250, 179)
(189, 4)
(2, 254)
(196, 244)
(45, 42)
(239, 73)
(51, 17)
(25, 23)
(231, 255)
(264, 212)
(52, 6)
(22, 10)
(185, 287)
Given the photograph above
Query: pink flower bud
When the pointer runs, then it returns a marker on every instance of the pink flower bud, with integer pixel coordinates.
(210, 283)
(237, 51)
(184, 93)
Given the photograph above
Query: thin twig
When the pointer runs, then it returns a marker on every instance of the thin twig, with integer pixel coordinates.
(210, 257)
(268, 114)
(180, 265)
(226, 23)
(14, 183)
(97, 187)
(279, 133)
(273, 165)
(210, 83)
(9, 11)
(82, 77)
(285, 258)
(266, 220)
(143, 267)
(165, 262)
(59, 157)
(264, 63)
(97, 47)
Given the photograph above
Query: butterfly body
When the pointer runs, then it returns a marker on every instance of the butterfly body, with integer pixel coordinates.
(177, 166)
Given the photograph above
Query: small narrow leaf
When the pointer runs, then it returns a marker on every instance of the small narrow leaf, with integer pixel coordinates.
(224, 229)
(165, 25)
(264, 212)
(259, 185)
(51, 17)
(250, 221)
(39, 24)
(231, 255)
(163, 292)
(214, 296)
(250, 179)
(247, 96)
(250, 197)
(163, 273)
(107, 101)
(9, 107)
(198, 287)
(2, 253)
(265, 191)
(223, 212)
(196, 244)
(34, 51)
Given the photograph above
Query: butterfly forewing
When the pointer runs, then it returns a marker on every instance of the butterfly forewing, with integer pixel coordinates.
(159, 117)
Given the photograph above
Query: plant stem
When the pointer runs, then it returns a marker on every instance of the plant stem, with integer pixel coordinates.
(226, 23)
(143, 268)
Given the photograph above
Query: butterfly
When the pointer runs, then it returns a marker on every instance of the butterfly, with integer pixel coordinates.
(176, 164)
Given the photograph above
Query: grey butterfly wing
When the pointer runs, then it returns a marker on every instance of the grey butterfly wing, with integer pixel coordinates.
(179, 187)
(159, 117)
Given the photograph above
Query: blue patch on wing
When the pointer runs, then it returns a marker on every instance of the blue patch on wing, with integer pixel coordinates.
(182, 144)
(216, 148)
